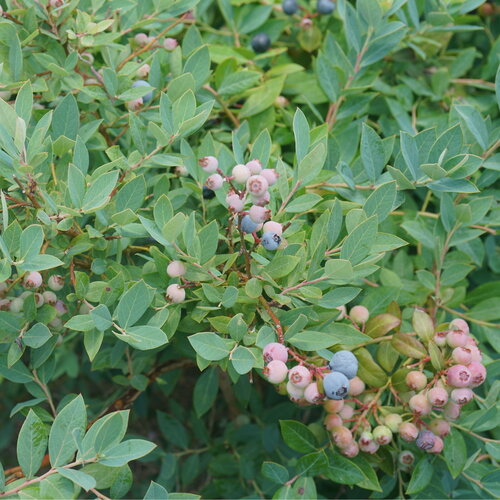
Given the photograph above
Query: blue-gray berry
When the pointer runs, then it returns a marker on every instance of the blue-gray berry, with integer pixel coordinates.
(260, 42)
(248, 225)
(344, 362)
(290, 7)
(325, 6)
(335, 385)
(208, 193)
(143, 83)
(425, 440)
(271, 241)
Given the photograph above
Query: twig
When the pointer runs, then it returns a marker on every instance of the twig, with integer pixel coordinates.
(469, 318)
(228, 112)
(46, 391)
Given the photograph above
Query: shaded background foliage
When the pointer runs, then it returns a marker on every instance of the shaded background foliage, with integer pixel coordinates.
(398, 94)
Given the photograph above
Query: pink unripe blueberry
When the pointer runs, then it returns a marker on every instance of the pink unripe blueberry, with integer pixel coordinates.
(209, 163)
(295, 393)
(437, 396)
(4, 304)
(451, 411)
(456, 338)
(346, 412)
(342, 436)
(475, 353)
(382, 434)
(181, 171)
(214, 182)
(419, 404)
(257, 185)
(261, 200)
(273, 227)
(416, 380)
(459, 324)
(234, 202)
(332, 420)
(151, 39)
(365, 438)
(408, 431)
(141, 39)
(176, 268)
(440, 338)
(462, 355)
(60, 307)
(438, 445)
(49, 297)
(333, 406)
(461, 396)
(275, 371)
(143, 71)
(371, 448)
(39, 300)
(270, 175)
(478, 373)
(259, 214)
(458, 376)
(33, 280)
(255, 167)
(175, 293)
(406, 458)
(440, 427)
(170, 43)
(312, 394)
(300, 376)
(56, 3)
(135, 104)
(356, 386)
(241, 173)
(273, 351)
(16, 305)
(359, 314)
(393, 421)
(56, 282)
(351, 450)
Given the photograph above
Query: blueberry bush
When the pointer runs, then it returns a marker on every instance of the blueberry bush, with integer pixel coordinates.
(249, 249)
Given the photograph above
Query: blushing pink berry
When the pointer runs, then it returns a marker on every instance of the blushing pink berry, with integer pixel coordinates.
(382, 434)
(356, 386)
(39, 300)
(255, 167)
(351, 450)
(332, 420)
(440, 338)
(262, 200)
(49, 297)
(33, 280)
(475, 353)
(259, 214)
(408, 431)
(416, 380)
(60, 307)
(440, 427)
(141, 39)
(456, 338)
(365, 438)
(176, 268)
(451, 411)
(300, 376)
(437, 396)
(370, 448)
(312, 394)
(16, 305)
(235, 203)
(270, 175)
(209, 163)
(461, 355)
(295, 393)
(175, 294)
(275, 371)
(143, 71)
(406, 458)
(459, 324)
(257, 185)
(241, 173)
(359, 314)
(458, 376)
(419, 404)
(273, 227)
(346, 412)
(478, 373)
(56, 282)
(461, 396)
(135, 104)
(333, 406)
(273, 351)
(342, 436)
(438, 445)
(214, 182)
(170, 43)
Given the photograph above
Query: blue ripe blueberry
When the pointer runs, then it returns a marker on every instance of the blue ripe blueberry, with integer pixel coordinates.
(344, 362)
(426, 440)
(248, 225)
(335, 385)
(208, 193)
(325, 6)
(289, 7)
(143, 83)
(271, 241)
(260, 42)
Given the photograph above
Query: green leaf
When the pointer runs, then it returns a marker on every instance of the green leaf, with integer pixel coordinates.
(303, 203)
(242, 360)
(31, 444)
(310, 166)
(156, 492)
(339, 269)
(358, 243)
(298, 436)
(301, 133)
(455, 452)
(144, 337)
(338, 333)
(133, 304)
(474, 122)
(205, 391)
(102, 317)
(99, 191)
(372, 152)
(85, 481)
(30, 242)
(80, 323)
(275, 472)
(281, 266)
(70, 420)
(121, 454)
(381, 201)
(37, 335)
(66, 120)
(209, 346)
(421, 476)
(40, 263)
(235, 83)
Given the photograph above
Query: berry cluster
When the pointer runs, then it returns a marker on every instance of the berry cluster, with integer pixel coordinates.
(256, 182)
(290, 7)
(420, 413)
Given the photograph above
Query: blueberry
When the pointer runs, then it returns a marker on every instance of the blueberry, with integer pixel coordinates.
(143, 83)
(335, 385)
(344, 362)
(271, 241)
(325, 6)
(260, 42)
(289, 7)
(248, 225)
(208, 194)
